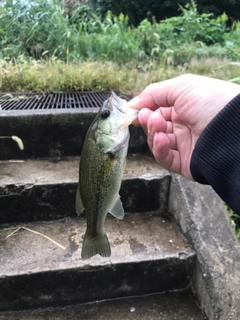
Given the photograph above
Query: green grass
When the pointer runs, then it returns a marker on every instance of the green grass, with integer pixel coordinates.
(54, 75)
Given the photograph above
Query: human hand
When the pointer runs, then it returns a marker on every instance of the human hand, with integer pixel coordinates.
(173, 114)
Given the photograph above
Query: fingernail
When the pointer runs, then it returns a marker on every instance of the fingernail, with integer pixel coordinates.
(140, 118)
(149, 127)
(155, 140)
(142, 123)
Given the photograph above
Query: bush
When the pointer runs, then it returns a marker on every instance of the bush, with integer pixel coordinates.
(146, 9)
(38, 27)
(42, 29)
(139, 10)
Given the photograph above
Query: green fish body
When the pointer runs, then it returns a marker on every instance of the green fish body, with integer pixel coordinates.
(100, 172)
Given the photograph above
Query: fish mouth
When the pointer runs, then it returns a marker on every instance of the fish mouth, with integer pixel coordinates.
(121, 106)
(131, 115)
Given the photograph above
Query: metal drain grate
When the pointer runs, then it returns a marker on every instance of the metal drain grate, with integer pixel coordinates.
(35, 101)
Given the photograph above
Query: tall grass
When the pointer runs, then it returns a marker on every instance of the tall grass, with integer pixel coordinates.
(42, 28)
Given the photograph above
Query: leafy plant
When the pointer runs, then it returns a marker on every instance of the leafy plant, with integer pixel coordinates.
(235, 221)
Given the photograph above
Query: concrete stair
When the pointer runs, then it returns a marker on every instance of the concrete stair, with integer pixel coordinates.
(151, 260)
(169, 306)
(45, 189)
(41, 274)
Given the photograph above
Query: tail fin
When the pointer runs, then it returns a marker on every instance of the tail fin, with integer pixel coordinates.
(95, 245)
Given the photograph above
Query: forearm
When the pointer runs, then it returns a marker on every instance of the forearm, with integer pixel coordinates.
(216, 157)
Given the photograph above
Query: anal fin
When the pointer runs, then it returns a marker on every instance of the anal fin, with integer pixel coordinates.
(78, 202)
(117, 210)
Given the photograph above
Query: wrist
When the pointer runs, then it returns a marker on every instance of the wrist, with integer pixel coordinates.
(215, 159)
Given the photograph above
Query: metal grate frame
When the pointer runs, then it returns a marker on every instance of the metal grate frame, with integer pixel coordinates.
(52, 101)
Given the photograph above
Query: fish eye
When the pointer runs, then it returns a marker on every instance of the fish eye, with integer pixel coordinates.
(105, 114)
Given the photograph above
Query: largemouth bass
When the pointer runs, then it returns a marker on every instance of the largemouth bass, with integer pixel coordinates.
(101, 168)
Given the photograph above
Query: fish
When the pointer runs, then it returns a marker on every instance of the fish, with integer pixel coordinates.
(101, 168)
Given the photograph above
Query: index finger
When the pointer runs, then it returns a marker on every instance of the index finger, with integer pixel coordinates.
(155, 95)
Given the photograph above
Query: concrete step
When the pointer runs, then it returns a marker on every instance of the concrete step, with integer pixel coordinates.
(170, 306)
(32, 190)
(57, 133)
(148, 256)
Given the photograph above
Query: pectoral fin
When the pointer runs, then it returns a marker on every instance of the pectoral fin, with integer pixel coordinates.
(117, 210)
(78, 203)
